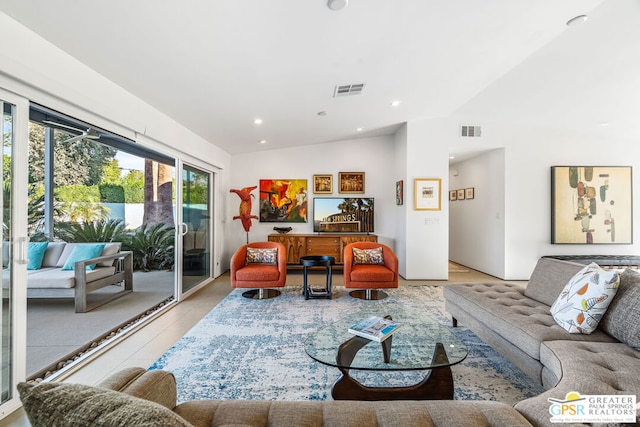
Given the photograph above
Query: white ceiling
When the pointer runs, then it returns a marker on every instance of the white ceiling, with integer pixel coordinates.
(216, 65)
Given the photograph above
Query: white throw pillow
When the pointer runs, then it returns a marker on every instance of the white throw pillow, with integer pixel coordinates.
(585, 299)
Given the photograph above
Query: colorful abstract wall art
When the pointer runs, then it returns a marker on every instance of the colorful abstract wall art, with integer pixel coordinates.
(283, 200)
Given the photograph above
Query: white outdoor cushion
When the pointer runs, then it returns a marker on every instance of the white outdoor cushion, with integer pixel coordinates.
(585, 298)
(52, 254)
(109, 249)
(53, 278)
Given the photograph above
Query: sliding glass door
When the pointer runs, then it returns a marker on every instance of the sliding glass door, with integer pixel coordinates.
(196, 226)
(14, 249)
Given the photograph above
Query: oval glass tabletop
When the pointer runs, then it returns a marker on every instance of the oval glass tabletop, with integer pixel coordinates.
(413, 345)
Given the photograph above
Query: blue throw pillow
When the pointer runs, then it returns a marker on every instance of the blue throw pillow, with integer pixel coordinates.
(35, 254)
(83, 252)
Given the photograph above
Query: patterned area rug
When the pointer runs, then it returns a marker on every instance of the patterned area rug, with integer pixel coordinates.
(251, 349)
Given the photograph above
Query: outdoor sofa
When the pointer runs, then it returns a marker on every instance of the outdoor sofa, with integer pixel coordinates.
(47, 276)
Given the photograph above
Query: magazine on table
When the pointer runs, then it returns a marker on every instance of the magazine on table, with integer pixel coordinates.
(375, 328)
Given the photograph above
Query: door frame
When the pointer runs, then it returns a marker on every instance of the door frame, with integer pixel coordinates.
(180, 227)
(19, 175)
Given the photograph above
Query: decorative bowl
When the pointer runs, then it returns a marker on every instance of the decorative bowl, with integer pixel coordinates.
(282, 230)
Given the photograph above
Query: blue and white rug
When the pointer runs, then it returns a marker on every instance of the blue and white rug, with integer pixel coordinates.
(254, 349)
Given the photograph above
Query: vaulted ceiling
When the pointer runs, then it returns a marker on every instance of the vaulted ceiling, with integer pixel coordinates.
(216, 66)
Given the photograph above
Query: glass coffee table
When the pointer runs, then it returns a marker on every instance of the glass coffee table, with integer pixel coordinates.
(421, 343)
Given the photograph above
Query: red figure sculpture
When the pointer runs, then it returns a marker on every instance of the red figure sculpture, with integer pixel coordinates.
(245, 206)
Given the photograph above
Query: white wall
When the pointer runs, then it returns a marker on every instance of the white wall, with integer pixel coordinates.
(400, 143)
(529, 153)
(476, 226)
(373, 156)
(33, 68)
(427, 231)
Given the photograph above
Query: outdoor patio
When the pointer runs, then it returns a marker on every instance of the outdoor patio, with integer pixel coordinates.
(55, 332)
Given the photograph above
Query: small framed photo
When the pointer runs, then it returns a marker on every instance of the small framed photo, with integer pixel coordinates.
(427, 194)
(460, 195)
(469, 193)
(351, 182)
(399, 192)
(453, 195)
(322, 184)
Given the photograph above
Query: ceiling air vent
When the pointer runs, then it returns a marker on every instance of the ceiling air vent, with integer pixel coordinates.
(346, 90)
(470, 131)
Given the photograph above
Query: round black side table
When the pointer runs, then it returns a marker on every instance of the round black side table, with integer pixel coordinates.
(317, 261)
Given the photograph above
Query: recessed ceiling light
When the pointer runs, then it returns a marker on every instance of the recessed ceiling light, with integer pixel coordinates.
(604, 124)
(577, 20)
(263, 141)
(257, 121)
(452, 157)
(395, 103)
(358, 129)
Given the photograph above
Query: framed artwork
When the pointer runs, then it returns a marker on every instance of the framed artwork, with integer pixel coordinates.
(591, 205)
(453, 195)
(351, 182)
(469, 193)
(323, 184)
(399, 192)
(283, 200)
(427, 194)
(460, 194)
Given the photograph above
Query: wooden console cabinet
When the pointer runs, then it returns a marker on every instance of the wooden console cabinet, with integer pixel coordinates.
(333, 244)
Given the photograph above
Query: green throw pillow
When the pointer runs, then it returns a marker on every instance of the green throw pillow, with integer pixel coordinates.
(83, 252)
(35, 254)
(77, 405)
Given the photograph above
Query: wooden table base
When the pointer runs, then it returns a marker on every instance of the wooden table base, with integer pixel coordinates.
(437, 384)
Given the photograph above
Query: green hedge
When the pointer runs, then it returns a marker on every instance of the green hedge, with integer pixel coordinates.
(111, 193)
(105, 193)
(78, 193)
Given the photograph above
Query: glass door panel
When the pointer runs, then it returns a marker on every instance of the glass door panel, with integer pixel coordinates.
(196, 218)
(6, 327)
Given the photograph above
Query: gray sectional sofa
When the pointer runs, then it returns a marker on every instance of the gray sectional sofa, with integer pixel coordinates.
(516, 321)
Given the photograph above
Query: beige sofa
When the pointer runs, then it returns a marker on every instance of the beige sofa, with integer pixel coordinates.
(148, 398)
(516, 321)
(113, 267)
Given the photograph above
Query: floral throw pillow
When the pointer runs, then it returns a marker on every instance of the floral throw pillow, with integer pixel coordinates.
(585, 298)
(368, 256)
(262, 256)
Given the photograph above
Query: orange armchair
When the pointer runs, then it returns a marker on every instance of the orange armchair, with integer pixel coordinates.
(370, 278)
(254, 274)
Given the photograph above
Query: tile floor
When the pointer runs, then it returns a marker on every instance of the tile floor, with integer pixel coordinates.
(145, 346)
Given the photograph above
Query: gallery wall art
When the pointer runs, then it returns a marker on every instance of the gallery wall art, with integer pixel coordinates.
(426, 194)
(323, 184)
(351, 182)
(591, 205)
(283, 200)
(399, 192)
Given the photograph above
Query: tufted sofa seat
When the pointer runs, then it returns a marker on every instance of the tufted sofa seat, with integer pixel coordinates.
(517, 322)
(592, 368)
